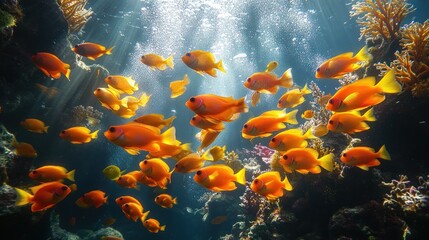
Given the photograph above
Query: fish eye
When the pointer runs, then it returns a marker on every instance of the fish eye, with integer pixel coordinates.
(64, 188)
(273, 139)
(145, 162)
(318, 69)
(192, 99)
(157, 197)
(256, 181)
(98, 90)
(63, 132)
(331, 122)
(143, 56)
(331, 101)
(120, 197)
(344, 155)
(193, 119)
(119, 178)
(112, 129)
(126, 205)
(285, 157)
(34, 172)
(249, 79)
(199, 172)
(245, 126)
(109, 77)
(188, 54)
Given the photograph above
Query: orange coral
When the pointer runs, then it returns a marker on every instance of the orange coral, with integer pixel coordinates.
(380, 19)
(75, 13)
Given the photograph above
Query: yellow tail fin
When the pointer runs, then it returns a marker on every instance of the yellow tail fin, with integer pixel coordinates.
(363, 55)
(109, 51)
(327, 162)
(45, 129)
(143, 218)
(287, 80)
(162, 228)
(291, 117)
(70, 175)
(170, 62)
(287, 185)
(241, 176)
(94, 134)
(144, 99)
(388, 83)
(22, 197)
(305, 90)
(169, 120)
(169, 136)
(384, 154)
(219, 66)
(309, 134)
(369, 115)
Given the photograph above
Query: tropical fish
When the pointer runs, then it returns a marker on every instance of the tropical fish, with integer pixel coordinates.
(271, 66)
(153, 225)
(112, 172)
(307, 114)
(216, 107)
(109, 221)
(165, 200)
(51, 65)
(206, 124)
(320, 130)
(156, 169)
(124, 112)
(219, 219)
(364, 157)
(202, 62)
(95, 198)
(34, 125)
(133, 103)
(134, 211)
(78, 135)
(73, 187)
(363, 93)
(23, 149)
(91, 50)
(216, 153)
(206, 137)
(127, 181)
(293, 97)
(350, 122)
(155, 120)
(219, 178)
(155, 61)
(270, 185)
(342, 64)
(190, 163)
(179, 87)
(50, 173)
(267, 123)
(292, 138)
(44, 196)
(305, 160)
(122, 84)
(126, 199)
(51, 92)
(134, 137)
(323, 100)
(108, 97)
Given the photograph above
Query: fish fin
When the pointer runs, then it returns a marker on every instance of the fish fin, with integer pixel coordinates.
(207, 156)
(368, 81)
(76, 142)
(169, 62)
(351, 97)
(373, 100)
(309, 134)
(56, 75)
(327, 162)
(175, 200)
(286, 184)
(219, 65)
(388, 83)
(169, 136)
(213, 175)
(162, 66)
(70, 175)
(37, 207)
(211, 72)
(91, 58)
(256, 97)
(315, 170)
(291, 117)
(363, 167)
(94, 134)
(67, 72)
(384, 154)
(144, 99)
(373, 163)
(45, 72)
(241, 176)
(305, 90)
(302, 171)
(369, 115)
(109, 50)
(22, 197)
(273, 90)
(363, 55)
(287, 79)
(132, 151)
(162, 228)
(169, 120)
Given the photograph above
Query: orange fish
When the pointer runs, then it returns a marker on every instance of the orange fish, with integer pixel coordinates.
(165, 200)
(155, 61)
(342, 64)
(34, 125)
(155, 120)
(46, 195)
(292, 138)
(127, 181)
(23, 149)
(78, 135)
(190, 163)
(124, 112)
(179, 87)
(218, 220)
(156, 169)
(91, 50)
(216, 107)
(219, 178)
(153, 225)
(133, 103)
(364, 157)
(307, 114)
(109, 221)
(320, 130)
(202, 62)
(216, 153)
(270, 185)
(206, 137)
(95, 198)
(51, 65)
(350, 122)
(126, 199)
(363, 93)
(108, 97)
(73, 187)
(122, 84)
(267, 123)
(305, 160)
(293, 97)
(206, 124)
(51, 173)
(51, 92)
(134, 137)
(134, 211)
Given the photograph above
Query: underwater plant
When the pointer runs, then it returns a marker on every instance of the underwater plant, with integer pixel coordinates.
(6, 20)
(75, 13)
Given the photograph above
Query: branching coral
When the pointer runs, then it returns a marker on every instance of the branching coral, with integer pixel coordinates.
(75, 13)
(380, 19)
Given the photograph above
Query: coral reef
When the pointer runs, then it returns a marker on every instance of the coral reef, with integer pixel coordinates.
(75, 13)
(87, 116)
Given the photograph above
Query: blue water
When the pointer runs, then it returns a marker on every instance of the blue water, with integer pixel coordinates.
(246, 35)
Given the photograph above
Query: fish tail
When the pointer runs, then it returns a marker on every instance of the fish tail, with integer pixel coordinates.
(162, 228)
(136, 87)
(207, 156)
(363, 55)
(241, 176)
(291, 117)
(144, 99)
(369, 115)
(327, 162)
(384, 154)
(45, 129)
(169, 61)
(169, 120)
(287, 79)
(94, 134)
(286, 184)
(109, 50)
(70, 175)
(388, 83)
(219, 65)
(169, 136)
(22, 197)
(186, 79)
(309, 134)
(67, 71)
(305, 90)
(241, 105)
(175, 200)
(145, 214)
